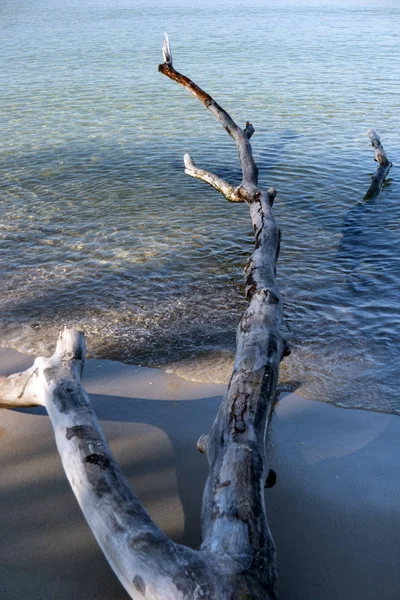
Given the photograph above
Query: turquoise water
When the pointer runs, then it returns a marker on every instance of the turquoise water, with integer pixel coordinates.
(101, 227)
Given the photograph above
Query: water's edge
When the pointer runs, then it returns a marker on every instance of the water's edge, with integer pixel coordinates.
(102, 230)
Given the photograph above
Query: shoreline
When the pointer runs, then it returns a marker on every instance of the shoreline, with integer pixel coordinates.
(334, 511)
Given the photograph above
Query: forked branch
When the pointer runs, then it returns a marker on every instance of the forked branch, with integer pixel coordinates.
(240, 136)
(145, 560)
(234, 520)
(230, 193)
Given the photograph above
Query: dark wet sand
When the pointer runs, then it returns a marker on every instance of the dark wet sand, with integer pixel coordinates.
(334, 512)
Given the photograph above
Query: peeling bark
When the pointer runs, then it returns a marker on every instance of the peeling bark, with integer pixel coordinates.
(384, 166)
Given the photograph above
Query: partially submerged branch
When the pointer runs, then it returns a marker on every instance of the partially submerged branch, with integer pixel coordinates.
(230, 193)
(384, 166)
(234, 520)
(240, 136)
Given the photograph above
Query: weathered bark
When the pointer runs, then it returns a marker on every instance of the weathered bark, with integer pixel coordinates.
(234, 521)
(383, 169)
(236, 560)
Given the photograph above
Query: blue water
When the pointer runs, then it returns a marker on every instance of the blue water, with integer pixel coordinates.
(101, 228)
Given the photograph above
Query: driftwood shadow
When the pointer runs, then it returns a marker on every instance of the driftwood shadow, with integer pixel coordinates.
(183, 421)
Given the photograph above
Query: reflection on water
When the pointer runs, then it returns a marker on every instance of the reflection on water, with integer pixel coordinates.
(101, 227)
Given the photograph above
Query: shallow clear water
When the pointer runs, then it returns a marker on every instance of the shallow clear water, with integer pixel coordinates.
(101, 227)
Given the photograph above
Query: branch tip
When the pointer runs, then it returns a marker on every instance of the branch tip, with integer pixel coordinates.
(71, 345)
(373, 136)
(188, 161)
(167, 51)
(272, 195)
(240, 136)
(248, 130)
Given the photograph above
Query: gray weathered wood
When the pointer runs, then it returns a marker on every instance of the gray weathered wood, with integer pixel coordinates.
(146, 561)
(234, 520)
(240, 136)
(216, 182)
(19, 389)
(384, 166)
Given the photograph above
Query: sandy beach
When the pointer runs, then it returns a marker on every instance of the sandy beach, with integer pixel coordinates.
(334, 512)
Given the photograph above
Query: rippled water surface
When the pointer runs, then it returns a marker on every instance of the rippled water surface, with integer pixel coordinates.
(101, 227)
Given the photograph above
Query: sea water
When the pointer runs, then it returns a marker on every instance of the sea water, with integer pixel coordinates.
(101, 228)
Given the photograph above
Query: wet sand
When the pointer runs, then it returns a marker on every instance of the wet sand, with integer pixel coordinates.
(334, 512)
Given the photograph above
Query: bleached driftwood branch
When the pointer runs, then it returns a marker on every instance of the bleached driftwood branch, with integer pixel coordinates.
(167, 54)
(236, 560)
(240, 136)
(146, 561)
(20, 389)
(234, 521)
(384, 166)
(216, 182)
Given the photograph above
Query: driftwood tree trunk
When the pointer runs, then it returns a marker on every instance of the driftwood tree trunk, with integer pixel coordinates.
(234, 521)
(236, 560)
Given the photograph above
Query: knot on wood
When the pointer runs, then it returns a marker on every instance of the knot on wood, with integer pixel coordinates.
(100, 460)
(145, 539)
(254, 197)
(270, 480)
(382, 160)
(271, 297)
(240, 425)
(83, 432)
(224, 484)
(241, 192)
(139, 584)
